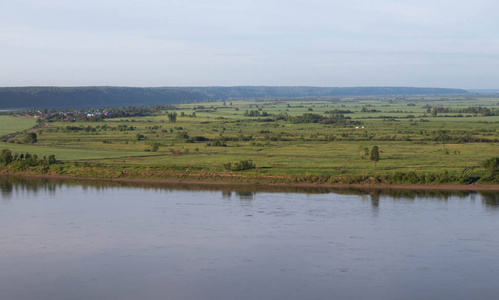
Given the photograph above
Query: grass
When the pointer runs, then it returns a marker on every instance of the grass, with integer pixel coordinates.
(410, 140)
(9, 124)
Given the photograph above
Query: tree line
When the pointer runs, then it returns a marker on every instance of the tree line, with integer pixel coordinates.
(24, 160)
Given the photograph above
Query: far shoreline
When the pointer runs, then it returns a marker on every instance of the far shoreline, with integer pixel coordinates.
(380, 186)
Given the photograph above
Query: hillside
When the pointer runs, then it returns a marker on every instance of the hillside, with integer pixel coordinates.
(306, 91)
(85, 97)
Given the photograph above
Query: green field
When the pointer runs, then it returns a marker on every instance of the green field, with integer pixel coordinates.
(421, 137)
(9, 124)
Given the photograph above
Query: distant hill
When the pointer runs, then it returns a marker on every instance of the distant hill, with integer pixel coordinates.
(86, 97)
(306, 91)
(488, 91)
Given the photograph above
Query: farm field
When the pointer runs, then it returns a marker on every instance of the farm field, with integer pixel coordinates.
(9, 124)
(420, 140)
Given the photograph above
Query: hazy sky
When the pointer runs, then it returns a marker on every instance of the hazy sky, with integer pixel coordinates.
(437, 43)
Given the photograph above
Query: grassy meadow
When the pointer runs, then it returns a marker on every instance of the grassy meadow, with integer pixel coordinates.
(10, 124)
(421, 140)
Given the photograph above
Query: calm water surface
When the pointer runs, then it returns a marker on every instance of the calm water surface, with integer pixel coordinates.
(72, 241)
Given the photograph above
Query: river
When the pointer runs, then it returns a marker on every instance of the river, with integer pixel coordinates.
(84, 240)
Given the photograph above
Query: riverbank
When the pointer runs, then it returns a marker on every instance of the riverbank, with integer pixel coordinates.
(365, 186)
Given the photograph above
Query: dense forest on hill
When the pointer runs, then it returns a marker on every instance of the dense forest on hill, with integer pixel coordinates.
(307, 91)
(87, 97)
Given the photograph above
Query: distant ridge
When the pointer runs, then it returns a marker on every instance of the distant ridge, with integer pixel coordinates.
(307, 91)
(86, 97)
(484, 91)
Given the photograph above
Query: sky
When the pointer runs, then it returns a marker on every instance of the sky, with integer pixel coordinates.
(424, 43)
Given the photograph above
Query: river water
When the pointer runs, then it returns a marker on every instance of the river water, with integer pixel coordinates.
(72, 240)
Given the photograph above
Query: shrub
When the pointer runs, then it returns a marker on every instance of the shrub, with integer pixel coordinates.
(491, 167)
(239, 166)
(31, 138)
(182, 135)
(5, 157)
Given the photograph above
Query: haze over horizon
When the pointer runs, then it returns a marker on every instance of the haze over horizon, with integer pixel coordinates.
(149, 43)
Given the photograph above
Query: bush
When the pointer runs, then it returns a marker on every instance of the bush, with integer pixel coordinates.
(182, 135)
(31, 138)
(23, 161)
(5, 157)
(239, 166)
(491, 167)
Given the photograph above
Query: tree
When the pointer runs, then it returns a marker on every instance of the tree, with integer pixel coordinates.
(31, 138)
(172, 117)
(375, 154)
(6, 157)
(52, 159)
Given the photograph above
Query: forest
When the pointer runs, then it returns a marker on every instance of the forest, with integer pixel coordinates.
(95, 97)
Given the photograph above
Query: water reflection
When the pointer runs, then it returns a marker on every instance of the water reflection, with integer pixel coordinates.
(375, 200)
(8, 185)
(227, 194)
(6, 188)
(491, 200)
(245, 195)
(111, 240)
